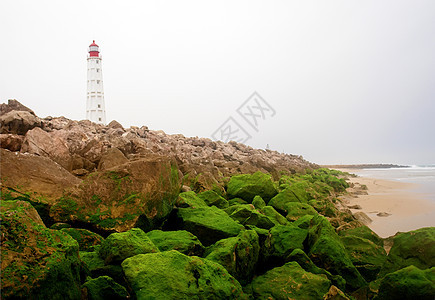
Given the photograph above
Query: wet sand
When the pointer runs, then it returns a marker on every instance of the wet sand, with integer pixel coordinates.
(408, 208)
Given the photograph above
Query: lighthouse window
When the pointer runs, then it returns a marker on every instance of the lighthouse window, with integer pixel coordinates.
(98, 82)
(99, 119)
(98, 70)
(99, 106)
(98, 62)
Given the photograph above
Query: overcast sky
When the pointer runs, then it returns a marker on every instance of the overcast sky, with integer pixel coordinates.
(349, 81)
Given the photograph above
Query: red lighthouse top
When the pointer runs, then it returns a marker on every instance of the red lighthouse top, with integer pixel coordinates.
(93, 50)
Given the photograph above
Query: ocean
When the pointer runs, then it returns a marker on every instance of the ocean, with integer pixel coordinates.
(422, 175)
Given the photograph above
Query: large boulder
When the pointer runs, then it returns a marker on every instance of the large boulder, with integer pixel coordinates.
(365, 255)
(239, 255)
(211, 198)
(408, 284)
(246, 214)
(37, 262)
(87, 239)
(283, 240)
(327, 251)
(111, 158)
(290, 282)
(180, 240)
(248, 186)
(119, 246)
(42, 143)
(209, 224)
(411, 248)
(40, 178)
(102, 288)
(173, 275)
(140, 193)
(14, 104)
(363, 232)
(12, 142)
(189, 199)
(18, 122)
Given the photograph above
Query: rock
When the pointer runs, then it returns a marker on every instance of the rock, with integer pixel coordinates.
(327, 251)
(102, 288)
(408, 283)
(296, 210)
(211, 198)
(92, 260)
(236, 201)
(209, 224)
(365, 255)
(189, 199)
(111, 158)
(290, 282)
(59, 226)
(362, 217)
(39, 177)
(364, 232)
(283, 240)
(42, 143)
(383, 214)
(411, 248)
(37, 263)
(238, 255)
(119, 246)
(14, 105)
(173, 275)
(258, 202)
(86, 239)
(274, 216)
(307, 264)
(335, 294)
(115, 124)
(11, 142)
(185, 188)
(18, 122)
(140, 193)
(248, 186)
(246, 214)
(356, 206)
(180, 240)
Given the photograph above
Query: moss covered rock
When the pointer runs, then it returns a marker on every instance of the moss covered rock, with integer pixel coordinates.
(327, 251)
(103, 288)
(411, 248)
(274, 216)
(180, 240)
(258, 202)
(209, 224)
(363, 232)
(118, 246)
(290, 282)
(189, 199)
(366, 256)
(285, 239)
(92, 260)
(86, 239)
(173, 275)
(408, 284)
(211, 198)
(246, 214)
(36, 262)
(247, 186)
(239, 255)
(296, 210)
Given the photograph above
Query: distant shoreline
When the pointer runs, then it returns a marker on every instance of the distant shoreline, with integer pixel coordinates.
(365, 166)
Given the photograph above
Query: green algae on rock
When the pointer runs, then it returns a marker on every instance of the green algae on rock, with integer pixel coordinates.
(37, 262)
(258, 202)
(211, 198)
(119, 246)
(103, 288)
(364, 232)
(290, 282)
(209, 224)
(86, 239)
(274, 216)
(180, 240)
(326, 250)
(246, 214)
(239, 255)
(408, 284)
(411, 248)
(247, 186)
(189, 199)
(285, 239)
(173, 275)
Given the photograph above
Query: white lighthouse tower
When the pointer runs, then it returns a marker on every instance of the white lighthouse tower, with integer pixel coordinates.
(95, 109)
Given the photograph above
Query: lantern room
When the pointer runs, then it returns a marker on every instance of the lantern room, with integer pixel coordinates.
(94, 50)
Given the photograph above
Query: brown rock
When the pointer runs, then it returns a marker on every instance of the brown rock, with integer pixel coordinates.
(363, 218)
(356, 206)
(383, 214)
(14, 105)
(11, 142)
(139, 193)
(18, 122)
(335, 293)
(111, 158)
(48, 144)
(115, 124)
(38, 176)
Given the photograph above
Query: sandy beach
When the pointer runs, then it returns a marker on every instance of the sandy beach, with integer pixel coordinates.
(405, 207)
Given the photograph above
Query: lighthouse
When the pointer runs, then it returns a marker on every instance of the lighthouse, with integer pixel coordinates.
(95, 109)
